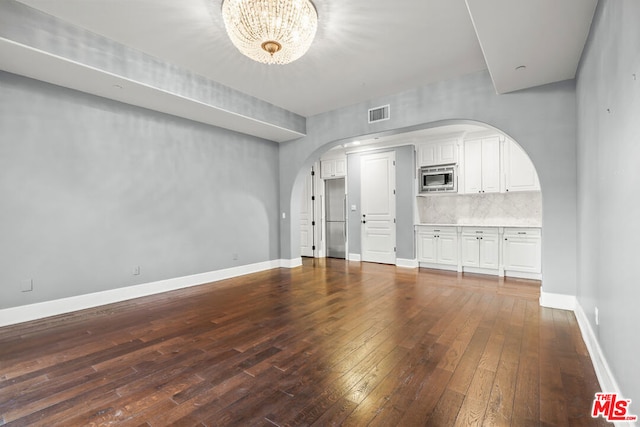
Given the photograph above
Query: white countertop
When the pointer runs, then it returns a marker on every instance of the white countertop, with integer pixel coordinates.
(476, 225)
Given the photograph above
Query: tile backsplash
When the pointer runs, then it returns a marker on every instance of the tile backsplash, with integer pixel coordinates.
(507, 209)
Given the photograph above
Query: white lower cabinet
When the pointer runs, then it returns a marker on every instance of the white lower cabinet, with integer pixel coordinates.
(438, 245)
(522, 250)
(490, 250)
(480, 248)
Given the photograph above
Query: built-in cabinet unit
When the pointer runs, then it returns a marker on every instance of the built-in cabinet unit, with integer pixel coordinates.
(333, 168)
(522, 250)
(519, 172)
(438, 245)
(480, 248)
(496, 250)
(438, 152)
(481, 166)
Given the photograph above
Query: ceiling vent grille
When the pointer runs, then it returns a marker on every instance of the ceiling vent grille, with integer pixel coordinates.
(379, 114)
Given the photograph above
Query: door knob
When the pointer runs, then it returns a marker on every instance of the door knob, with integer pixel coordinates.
(364, 222)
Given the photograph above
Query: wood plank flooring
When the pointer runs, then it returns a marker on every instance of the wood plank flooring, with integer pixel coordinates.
(328, 343)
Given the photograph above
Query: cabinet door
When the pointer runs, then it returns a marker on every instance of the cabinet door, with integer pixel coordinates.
(340, 167)
(447, 249)
(470, 250)
(427, 155)
(489, 251)
(520, 174)
(491, 165)
(327, 168)
(427, 247)
(473, 166)
(522, 253)
(447, 152)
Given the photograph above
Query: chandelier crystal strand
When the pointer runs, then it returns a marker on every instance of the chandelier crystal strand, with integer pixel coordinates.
(271, 31)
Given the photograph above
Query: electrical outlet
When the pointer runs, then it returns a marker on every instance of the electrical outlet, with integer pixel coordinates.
(597, 315)
(136, 270)
(26, 285)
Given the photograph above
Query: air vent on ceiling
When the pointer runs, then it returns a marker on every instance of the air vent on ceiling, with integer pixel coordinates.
(379, 113)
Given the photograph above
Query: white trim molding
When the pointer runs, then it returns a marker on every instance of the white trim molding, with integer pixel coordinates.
(291, 263)
(354, 257)
(607, 381)
(406, 263)
(603, 372)
(25, 313)
(560, 301)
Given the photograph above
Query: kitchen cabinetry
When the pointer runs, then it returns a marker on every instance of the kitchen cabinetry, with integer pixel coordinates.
(522, 250)
(480, 248)
(438, 153)
(438, 245)
(520, 174)
(481, 166)
(333, 168)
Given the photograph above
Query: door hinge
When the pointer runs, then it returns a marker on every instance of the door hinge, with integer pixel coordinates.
(313, 198)
(394, 163)
(313, 248)
(313, 223)
(394, 192)
(394, 249)
(313, 173)
(394, 220)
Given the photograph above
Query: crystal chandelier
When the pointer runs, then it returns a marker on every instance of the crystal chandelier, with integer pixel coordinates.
(271, 31)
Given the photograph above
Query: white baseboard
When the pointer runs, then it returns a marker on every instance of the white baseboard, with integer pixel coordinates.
(523, 275)
(438, 266)
(354, 257)
(560, 301)
(607, 381)
(407, 263)
(291, 263)
(603, 372)
(25, 313)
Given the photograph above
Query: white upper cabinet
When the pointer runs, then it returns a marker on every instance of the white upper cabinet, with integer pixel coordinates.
(481, 166)
(438, 153)
(333, 168)
(520, 174)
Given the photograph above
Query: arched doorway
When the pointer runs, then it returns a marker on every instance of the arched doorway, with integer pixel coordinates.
(503, 201)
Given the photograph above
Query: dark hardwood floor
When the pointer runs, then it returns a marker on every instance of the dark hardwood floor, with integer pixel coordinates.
(329, 343)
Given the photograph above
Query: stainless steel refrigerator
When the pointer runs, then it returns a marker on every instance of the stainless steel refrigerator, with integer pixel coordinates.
(336, 218)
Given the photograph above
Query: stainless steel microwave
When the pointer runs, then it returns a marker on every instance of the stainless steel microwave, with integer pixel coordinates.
(438, 179)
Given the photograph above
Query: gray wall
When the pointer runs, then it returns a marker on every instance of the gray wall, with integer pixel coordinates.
(608, 98)
(90, 188)
(405, 174)
(38, 30)
(542, 120)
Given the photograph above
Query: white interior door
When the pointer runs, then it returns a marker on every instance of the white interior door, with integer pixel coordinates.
(306, 217)
(378, 202)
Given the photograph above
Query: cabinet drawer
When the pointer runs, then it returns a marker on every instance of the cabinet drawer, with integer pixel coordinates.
(526, 232)
(436, 230)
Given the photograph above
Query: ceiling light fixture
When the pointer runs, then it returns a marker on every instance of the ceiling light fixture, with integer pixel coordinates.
(271, 31)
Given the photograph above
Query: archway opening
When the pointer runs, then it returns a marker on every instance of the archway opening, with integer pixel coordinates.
(497, 194)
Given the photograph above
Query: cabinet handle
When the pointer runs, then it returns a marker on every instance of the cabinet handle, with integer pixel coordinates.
(505, 238)
(522, 232)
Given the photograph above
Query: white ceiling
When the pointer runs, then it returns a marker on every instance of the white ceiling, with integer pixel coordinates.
(363, 49)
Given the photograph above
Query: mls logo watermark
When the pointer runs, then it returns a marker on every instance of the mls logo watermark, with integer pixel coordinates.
(612, 408)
